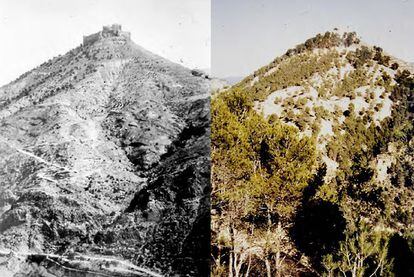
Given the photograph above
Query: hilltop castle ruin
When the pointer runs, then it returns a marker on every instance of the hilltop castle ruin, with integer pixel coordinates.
(114, 30)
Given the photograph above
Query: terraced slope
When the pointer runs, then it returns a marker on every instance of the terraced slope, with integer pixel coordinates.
(104, 151)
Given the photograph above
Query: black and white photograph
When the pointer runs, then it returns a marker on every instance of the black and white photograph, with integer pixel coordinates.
(104, 138)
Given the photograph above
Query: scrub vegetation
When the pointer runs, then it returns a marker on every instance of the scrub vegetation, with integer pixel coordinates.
(312, 166)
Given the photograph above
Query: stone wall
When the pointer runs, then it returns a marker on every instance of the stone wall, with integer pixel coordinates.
(114, 28)
(91, 38)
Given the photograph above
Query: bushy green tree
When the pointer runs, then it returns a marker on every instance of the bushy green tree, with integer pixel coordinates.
(259, 170)
(362, 253)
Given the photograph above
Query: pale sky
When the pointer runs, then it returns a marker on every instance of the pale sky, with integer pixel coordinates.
(33, 31)
(248, 34)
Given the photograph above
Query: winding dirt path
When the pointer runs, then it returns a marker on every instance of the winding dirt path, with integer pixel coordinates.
(39, 159)
(126, 267)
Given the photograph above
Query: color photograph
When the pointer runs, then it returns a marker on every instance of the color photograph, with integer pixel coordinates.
(312, 138)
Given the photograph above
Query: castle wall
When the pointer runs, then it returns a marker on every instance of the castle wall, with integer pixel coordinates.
(91, 38)
(112, 28)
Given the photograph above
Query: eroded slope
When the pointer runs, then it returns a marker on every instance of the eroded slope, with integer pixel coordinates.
(83, 134)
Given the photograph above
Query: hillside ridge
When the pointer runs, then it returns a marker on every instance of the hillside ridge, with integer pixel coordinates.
(311, 153)
(98, 158)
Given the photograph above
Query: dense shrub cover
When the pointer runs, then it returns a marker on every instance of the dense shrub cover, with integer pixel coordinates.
(275, 210)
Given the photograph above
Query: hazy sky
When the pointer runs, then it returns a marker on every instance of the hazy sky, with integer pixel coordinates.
(248, 34)
(33, 31)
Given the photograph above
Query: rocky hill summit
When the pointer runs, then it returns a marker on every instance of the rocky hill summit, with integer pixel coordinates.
(326, 129)
(114, 31)
(104, 164)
